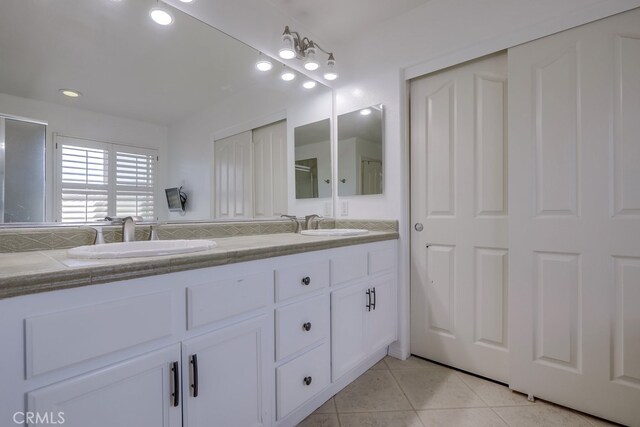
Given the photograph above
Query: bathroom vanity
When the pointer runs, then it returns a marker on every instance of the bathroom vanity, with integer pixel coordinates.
(259, 331)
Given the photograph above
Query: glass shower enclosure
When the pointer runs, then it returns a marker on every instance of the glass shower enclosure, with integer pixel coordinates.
(22, 170)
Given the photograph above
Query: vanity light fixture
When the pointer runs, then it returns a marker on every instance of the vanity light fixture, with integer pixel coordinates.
(160, 16)
(365, 111)
(310, 84)
(70, 93)
(287, 75)
(293, 45)
(263, 63)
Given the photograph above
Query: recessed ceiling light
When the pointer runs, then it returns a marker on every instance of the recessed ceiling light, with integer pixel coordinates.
(287, 75)
(70, 93)
(365, 112)
(161, 16)
(309, 84)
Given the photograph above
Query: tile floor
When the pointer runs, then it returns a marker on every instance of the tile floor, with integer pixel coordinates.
(417, 393)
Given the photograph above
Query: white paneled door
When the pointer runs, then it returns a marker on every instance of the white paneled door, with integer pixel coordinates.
(574, 219)
(270, 170)
(233, 175)
(459, 204)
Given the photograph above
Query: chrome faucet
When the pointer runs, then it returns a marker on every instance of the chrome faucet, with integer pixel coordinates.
(308, 219)
(295, 221)
(128, 229)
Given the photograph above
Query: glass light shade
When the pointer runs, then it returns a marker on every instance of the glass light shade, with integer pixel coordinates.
(309, 84)
(161, 16)
(287, 75)
(331, 73)
(311, 63)
(287, 47)
(263, 63)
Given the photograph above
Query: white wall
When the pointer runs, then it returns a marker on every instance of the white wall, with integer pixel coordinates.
(86, 124)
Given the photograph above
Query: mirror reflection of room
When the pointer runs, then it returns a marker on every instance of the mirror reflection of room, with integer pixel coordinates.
(313, 160)
(122, 127)
(360, 152)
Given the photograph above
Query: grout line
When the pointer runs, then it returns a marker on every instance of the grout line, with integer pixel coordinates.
(402, 390)
(499, 417)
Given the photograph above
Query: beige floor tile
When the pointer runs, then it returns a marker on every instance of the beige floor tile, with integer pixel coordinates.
(541, 414)
(328, 407)
(381, 419)
(436, 389)
(474, 417)
(599, 422)
(379, 365)
(493, 394)
(411, 363)
(320, 420)
(375, 390)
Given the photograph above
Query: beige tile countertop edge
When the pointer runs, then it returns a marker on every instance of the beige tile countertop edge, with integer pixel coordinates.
(44, 271)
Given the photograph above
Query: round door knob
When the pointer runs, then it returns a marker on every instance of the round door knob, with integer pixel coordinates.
(307, 380)
(307, 326)
(418, 226)
(306, 281)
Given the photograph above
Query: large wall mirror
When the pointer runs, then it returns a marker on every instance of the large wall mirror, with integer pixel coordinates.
(360, 152)
(131, 107)
(313, 160)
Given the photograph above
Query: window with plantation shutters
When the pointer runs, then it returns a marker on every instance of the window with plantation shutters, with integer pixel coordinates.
(97, 179)
(135, 183)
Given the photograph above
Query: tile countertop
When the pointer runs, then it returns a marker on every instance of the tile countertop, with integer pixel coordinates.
(23, 273)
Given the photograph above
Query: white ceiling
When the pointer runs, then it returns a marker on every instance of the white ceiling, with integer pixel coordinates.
(122, 62)
(335, 21)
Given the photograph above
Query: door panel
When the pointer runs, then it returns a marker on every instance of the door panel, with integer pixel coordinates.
(139, 389)
(459, 193)
(270, 170)
(233, 176)
(574, 220)
(232, 381)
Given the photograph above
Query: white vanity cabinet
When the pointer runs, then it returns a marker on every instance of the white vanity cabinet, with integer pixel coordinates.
(259, 343)
(138, 392)
(224, 377)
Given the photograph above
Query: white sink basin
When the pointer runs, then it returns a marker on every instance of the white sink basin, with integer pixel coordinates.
(140, 249)
(335, 232)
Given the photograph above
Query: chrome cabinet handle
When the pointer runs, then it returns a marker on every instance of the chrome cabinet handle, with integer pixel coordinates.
(306, 281)
(307, 326)
(307, 380)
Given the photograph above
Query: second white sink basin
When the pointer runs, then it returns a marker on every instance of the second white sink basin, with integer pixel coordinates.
(140, 249)
(335, 232)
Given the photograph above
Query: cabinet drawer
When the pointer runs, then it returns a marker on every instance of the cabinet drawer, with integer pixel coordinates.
(292, 391)
(217, 300)
(302, 278)
(61, 339)
(348, 264)
(382, 260)
(293, 321)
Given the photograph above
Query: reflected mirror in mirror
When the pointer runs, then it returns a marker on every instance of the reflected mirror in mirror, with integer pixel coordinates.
(133, 107)
(360, 148)
(313, 160)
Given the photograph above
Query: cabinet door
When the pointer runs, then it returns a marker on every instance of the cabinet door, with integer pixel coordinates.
(230, 376)
(137, 392)
(381, 322)
(348, 310)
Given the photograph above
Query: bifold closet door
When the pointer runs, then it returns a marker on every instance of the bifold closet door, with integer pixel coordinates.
(270, 170)
(459, 217)
(574, 218)
(233, 176)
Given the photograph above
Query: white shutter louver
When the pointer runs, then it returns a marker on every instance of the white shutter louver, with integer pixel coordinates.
(135, 183)
(84, 183)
